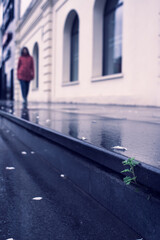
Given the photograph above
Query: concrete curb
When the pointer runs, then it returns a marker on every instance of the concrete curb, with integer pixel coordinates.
(148, 176)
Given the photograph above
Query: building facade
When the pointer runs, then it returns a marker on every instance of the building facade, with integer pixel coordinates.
(93, 51)
(35, 32)
(10, 11)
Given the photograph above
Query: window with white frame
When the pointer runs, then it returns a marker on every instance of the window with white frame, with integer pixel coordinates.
(74, 50)
(107, 39)
(112, 37)
(71, 48)
(35, 82)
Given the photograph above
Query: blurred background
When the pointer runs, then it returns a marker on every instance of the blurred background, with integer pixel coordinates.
(84, 51)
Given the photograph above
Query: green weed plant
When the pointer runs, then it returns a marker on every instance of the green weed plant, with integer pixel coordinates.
(131, 163)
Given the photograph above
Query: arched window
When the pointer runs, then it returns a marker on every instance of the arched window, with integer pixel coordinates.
(112, 37)
(35, 83)
(74, 50)
(71, 48)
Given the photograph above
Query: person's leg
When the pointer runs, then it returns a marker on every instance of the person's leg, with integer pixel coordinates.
(27, 83)
(23, 90)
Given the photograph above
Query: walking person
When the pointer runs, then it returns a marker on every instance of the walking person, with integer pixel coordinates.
(25, 72)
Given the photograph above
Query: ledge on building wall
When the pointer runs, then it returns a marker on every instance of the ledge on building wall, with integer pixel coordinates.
(27, 13)
(35, 89)
(67, 84)
(107, 77)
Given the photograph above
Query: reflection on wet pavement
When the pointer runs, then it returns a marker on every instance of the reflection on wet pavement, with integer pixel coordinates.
(141, 138)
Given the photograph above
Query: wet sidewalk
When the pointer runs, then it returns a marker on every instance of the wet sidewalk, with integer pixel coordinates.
(135, 128)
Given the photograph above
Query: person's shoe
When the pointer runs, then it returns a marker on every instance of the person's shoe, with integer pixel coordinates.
(25, 103)
(25, 100)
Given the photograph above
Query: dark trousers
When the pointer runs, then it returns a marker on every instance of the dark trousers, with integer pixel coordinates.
(24, 88)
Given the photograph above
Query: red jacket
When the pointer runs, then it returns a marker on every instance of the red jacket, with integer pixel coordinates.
(25, 69)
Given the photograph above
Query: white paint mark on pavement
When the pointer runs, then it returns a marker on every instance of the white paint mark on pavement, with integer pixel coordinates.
(32, 152)
(24, 153)
(37, 198)
(62, 176)
(120, 148)
(83, 138)
(10, 239)
(10, 168)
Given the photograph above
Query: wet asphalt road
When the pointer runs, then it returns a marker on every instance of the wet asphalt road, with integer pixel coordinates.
(137, 129)
(63, 213)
